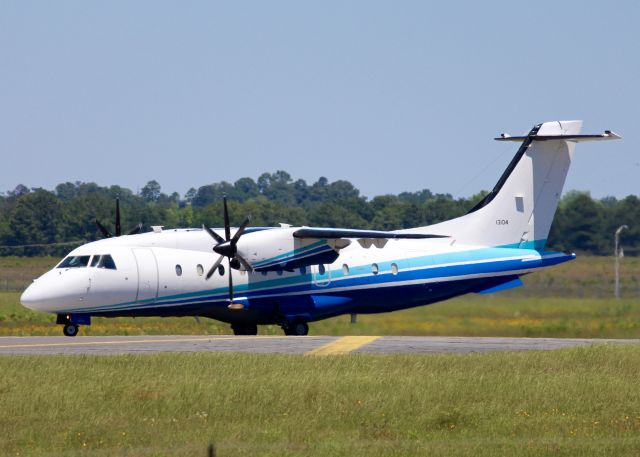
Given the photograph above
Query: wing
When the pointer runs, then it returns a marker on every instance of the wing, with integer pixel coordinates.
(333, 233)
(295, 247)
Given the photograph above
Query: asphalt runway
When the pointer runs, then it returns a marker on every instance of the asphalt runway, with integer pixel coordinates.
(311, 345)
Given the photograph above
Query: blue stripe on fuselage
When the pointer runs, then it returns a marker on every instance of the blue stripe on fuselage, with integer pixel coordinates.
(485, 261)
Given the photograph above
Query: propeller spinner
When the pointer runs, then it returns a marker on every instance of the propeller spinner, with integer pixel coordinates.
(227, 247)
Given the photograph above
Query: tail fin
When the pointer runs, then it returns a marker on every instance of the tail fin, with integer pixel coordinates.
(519, 210)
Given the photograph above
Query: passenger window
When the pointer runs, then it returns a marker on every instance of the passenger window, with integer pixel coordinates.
(345, 269)
(75, 261)
(321, 269)
(374, 268)
(106, 261)
(394, 268)
(178, 270)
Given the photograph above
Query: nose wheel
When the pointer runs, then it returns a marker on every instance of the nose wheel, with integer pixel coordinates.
(70, 330)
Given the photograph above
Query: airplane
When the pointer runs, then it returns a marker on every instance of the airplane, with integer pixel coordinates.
(290, 276)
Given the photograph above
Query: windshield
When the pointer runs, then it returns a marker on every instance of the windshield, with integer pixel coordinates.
(75, 261)
(106, 261)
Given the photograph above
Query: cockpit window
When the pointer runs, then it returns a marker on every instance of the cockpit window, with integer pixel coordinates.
(106, 261)
(75, 261)
(103, 261)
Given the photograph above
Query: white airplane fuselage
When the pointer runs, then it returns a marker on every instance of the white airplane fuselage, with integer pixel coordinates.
(152, 278)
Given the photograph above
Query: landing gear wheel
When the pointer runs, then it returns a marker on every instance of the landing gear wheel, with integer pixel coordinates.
(296, 328)
(248, 329)
(70, 330)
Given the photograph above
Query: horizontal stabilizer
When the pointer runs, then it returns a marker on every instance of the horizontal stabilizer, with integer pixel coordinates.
(331, 233)
(607, 135)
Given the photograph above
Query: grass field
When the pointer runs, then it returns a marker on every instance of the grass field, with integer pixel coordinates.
(570, 300)
(581, 401)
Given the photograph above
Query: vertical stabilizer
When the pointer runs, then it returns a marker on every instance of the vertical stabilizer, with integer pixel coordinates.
(519, 210)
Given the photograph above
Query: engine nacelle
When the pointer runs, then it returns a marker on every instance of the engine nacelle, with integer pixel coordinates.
(278, 249)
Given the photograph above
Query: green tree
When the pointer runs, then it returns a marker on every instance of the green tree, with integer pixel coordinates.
(151, 191)
(37, 218)
(579, 225)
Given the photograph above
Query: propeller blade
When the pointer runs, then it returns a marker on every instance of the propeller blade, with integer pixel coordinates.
(240, 231)
(232, 306)
(135, 230)
(213, 234)
(227, 228)
(214, 267)
(244, 262)
(118, 228)
(102, 229)
(230, 284)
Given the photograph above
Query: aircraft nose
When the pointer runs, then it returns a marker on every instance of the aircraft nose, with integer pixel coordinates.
(32, 297)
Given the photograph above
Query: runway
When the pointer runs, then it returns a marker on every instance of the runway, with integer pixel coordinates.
(308, 345)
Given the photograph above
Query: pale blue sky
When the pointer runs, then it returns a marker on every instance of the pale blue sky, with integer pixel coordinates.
(391, 96)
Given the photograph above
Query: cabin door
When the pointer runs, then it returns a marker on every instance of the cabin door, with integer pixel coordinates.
(147, 275)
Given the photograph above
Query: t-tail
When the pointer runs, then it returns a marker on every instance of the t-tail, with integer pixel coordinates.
(518, 212)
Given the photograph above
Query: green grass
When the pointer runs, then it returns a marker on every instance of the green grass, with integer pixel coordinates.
(16, 273)
(580, 401)
(570, 300)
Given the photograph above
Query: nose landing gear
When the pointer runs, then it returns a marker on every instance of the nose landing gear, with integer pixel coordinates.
(72, 322)
(70, 330)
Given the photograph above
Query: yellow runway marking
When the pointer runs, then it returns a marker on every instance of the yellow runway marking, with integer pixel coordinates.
(343, 345)
(97, 343)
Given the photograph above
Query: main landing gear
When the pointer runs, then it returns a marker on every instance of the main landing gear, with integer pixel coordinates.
(290, 328)
(296, 328)
(245, 329)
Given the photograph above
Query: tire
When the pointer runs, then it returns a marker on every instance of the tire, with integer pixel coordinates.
(248, 329)
(70, 330)
(296, 328)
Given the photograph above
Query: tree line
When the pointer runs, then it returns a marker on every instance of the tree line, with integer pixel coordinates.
(39, 220)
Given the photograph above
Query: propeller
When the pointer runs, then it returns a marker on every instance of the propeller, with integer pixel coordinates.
(107, 234)
(228, 247)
